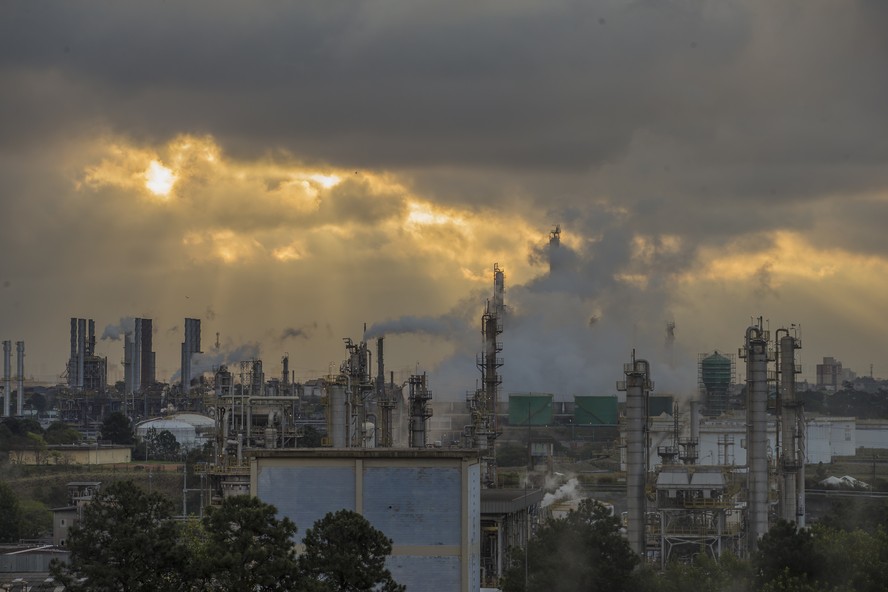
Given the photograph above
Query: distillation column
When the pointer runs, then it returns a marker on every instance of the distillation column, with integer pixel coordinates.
(791, 431)
(755, 350)
(420, 411)
(637, 386)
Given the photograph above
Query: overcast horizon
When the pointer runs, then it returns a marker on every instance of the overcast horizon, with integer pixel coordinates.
(288, 172)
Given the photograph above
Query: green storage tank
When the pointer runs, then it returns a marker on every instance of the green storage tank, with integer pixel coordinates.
(590, 410)
(530, 409)
(716, 372)
(660, 404)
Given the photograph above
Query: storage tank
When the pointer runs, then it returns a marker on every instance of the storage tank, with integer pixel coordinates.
(595, 410)
(533, 409)
(716, 374)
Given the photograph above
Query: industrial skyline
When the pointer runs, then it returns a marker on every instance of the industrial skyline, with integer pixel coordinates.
(287, 174)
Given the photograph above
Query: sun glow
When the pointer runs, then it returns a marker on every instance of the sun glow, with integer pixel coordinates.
(159, 179)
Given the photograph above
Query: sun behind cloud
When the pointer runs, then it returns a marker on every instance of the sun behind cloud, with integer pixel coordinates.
(159, 179)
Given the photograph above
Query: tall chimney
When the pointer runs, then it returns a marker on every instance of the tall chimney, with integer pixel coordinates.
(7, 378)
(81, 351)
(20, 359)
(91, 340)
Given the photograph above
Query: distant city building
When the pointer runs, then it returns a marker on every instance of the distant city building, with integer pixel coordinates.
(831, 375)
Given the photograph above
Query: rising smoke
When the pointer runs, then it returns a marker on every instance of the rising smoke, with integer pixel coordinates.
(116, 332)
(209, 362)
(570, 330)
(294, 332)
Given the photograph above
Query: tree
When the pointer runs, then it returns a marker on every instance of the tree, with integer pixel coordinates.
(161, 445)
(118, 430)
(310, 438)
(10, 515)
(583, 551)
(60, 433)
(245, 548)
(126, 541)
(787, 554)
(344, 553)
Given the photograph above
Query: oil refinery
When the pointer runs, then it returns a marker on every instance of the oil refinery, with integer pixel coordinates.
(707, 473)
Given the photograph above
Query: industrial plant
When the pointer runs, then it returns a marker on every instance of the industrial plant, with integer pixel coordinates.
(705, 474)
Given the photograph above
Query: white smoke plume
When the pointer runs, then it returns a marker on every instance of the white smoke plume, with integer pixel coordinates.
(445, 326)
(568, 491)
(209, 362)
(549, 343)
(116, 332)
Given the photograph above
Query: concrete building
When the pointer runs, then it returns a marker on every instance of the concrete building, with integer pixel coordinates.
(426, 500)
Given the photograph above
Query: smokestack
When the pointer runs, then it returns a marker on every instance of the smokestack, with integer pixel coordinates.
(128, 354)
(755, 351)
(7, 378)
(637, 386)
(91, 341)
(285, 372)
(73, 366)
(383, 401)
(190, 346)
(137, 356)
(20, 366)
(81, 351)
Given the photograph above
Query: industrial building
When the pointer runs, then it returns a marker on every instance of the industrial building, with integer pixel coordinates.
(426, 500)
(86, 371)
(719, 479)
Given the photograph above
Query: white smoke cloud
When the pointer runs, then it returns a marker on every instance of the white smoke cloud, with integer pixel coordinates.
(568, 491)
(116, 331)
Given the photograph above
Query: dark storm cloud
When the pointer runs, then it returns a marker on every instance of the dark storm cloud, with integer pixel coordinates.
(404, 83)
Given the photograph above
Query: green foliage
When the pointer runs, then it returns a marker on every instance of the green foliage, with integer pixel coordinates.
(511, 455)
(118, 430)
(344, 553)
(703, 574)
(786, 549)
(125, 541)
(15, 433)
(583, 551)
(311, 438)
(245, 548)
(161, 445)
(10, 515)
(36, 519)
(60, 433)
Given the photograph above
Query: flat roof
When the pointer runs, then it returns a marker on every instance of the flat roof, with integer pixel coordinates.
(393, 453)
(509, 500)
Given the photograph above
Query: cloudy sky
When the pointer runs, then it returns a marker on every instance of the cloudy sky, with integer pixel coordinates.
(289, 171)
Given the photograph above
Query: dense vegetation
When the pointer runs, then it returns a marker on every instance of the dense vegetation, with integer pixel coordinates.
(585, 552)
(128, 541)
